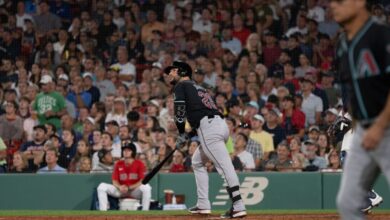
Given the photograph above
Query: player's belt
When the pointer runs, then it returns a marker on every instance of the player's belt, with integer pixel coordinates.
(214, 116)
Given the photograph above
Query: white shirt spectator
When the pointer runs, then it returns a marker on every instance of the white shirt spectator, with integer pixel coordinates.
(126, 69)
(233, 45)
(311, 105)
(20, 20)
(211, 80)
(317, 13)
(247, 160)
(120, 119)
(296, 29)
(202, 26)
(58, 47)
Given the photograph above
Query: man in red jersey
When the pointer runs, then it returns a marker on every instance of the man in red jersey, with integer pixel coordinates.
(126, 180)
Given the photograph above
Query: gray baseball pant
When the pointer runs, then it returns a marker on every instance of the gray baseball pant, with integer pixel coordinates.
(213, 133)
(360, 172)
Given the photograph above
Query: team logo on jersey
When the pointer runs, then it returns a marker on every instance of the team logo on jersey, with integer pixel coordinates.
(251, 191)
(367, 65)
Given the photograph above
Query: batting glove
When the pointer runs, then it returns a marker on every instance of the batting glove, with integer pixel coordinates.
(181, 140)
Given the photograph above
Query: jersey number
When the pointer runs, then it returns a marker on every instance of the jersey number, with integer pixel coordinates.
(207, 100)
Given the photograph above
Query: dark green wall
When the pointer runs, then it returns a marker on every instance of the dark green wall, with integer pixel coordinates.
(259, 190)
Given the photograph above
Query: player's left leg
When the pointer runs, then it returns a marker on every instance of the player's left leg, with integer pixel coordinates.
(360, 171)
(144, 193)
(213, 133)
(202, 183)
(103, 190)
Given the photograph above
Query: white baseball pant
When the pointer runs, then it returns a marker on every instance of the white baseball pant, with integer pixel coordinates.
(213, 133)
(143, 192)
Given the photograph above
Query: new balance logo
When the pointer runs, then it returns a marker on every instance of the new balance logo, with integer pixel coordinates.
(251, 191)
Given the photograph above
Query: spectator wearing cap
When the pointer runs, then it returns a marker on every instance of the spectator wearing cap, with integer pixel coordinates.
(260, 136)
(49, 105)
(293, 119)
(282, 161)
(11, 125)
(312, 105)
(78, 95)
(272, 125)
(88, 126)
(46, 22)
(104, 85)
(251, 146)
(271, 49)
(265, 14)
(156, 71)
(90, 88)
(240, 151)
(314, 161)
(313, 133)
(314, 11)
(118, 112)
(331, 115)
(332, 94)
(106, 162)
(127, 73)
(300, 28)
(251, 109)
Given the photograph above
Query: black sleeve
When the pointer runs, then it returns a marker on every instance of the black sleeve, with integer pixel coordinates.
(180, 107)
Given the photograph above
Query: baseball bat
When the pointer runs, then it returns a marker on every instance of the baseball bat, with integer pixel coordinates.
(157, 168)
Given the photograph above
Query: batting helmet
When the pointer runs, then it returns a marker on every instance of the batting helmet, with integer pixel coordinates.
(183, 68)
(131, 146)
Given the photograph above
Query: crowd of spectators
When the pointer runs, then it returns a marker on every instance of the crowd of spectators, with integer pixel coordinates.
(80, 77)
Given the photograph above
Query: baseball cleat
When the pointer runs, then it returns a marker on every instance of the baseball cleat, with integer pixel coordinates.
(196, 210)
(234, 214)
(375, 199)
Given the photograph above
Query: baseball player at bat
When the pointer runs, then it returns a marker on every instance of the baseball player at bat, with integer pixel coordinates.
(126, 180)
(363, 64)
(193, 103)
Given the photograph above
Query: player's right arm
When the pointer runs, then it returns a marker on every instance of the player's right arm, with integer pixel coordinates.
(180, 107)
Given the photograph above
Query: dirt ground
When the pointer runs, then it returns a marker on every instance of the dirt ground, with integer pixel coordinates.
(187, 217)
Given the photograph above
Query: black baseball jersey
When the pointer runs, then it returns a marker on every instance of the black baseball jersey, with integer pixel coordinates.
(192, 102)
(363, 64)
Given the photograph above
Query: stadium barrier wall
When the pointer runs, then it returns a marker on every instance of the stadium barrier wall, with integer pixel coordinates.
(259, 190)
